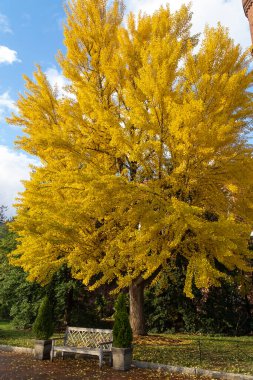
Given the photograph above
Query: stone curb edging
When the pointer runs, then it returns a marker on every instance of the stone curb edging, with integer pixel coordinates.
(21, 350)
(192, 371)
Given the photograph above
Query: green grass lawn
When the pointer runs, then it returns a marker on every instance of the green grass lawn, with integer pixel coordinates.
(215, 353)
(13, 337)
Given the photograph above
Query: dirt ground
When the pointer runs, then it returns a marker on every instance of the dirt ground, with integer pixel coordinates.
(14, 366)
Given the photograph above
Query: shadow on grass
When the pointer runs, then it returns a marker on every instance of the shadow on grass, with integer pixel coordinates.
(9, 335)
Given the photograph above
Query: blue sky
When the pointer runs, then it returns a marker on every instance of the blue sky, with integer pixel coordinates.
(33, 30)
(31, 33)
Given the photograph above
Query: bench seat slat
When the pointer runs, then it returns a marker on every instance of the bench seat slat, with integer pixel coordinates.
(77, 349)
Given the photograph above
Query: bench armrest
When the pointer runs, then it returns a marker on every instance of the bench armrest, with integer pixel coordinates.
(104, 343)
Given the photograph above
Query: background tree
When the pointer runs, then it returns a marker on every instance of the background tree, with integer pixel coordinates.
(223, 310)
(145, 158)
(20, 299)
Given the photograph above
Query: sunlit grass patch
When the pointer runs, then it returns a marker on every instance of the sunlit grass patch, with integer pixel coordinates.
(214, 353)
(13, 337)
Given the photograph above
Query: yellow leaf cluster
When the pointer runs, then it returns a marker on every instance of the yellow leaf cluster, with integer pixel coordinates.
(144, 158)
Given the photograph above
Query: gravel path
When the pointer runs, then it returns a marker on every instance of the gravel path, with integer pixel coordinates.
(15, 366)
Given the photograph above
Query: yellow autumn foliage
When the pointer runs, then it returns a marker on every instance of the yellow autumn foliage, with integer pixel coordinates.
(144, 157)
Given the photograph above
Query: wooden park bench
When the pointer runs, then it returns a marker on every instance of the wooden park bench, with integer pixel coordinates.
(78, 340)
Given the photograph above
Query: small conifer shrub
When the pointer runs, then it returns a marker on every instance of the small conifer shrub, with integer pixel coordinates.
(43, 325)
(122, 332)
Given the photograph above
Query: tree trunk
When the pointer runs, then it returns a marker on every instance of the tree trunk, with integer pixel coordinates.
(136, 293)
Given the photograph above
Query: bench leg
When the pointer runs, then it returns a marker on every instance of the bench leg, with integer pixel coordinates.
(100, 357)
(51, 354)
(110, 360)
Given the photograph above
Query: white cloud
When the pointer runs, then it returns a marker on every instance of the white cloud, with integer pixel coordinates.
(14, 167)
(7, 55)
(229, 12)
(26, 19)
(7, 105)
(57, 80)
(4, 24)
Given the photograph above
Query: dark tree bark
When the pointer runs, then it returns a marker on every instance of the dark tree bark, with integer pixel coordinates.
(136, 296)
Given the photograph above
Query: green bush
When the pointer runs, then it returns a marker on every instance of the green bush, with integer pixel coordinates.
(122, 332)
(43, 326)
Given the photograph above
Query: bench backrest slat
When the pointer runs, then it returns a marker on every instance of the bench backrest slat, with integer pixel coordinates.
(86, 337)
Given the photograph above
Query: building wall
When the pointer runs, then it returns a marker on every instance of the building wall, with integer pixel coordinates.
(248, 9)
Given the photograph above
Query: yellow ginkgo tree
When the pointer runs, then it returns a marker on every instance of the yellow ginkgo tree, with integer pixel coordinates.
(143, 157)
